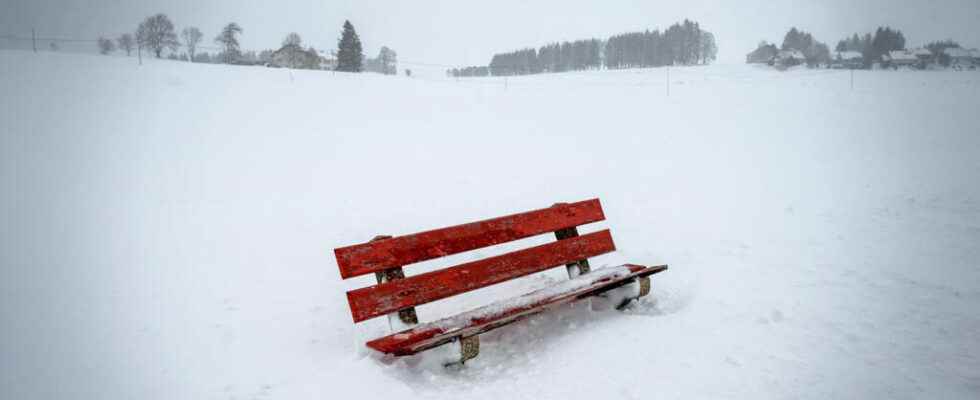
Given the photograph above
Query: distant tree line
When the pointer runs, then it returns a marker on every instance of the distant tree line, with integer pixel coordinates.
(555, 57)
(815, 53)
(469, 71)
(867, 50)
(799, 47)
(885, 39)
(157, 35)
(681, 44)
(570, 56)
(873, 46)
(938, 50)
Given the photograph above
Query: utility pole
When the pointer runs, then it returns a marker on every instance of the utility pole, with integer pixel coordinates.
(34, 39)
(852, 79)
(139, 53)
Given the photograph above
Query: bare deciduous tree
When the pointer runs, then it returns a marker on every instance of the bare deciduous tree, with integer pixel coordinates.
(192, 37)
(292, 39)
(157, 33)
(228, 39)
(126, 43)
(388, 60)
(106, 46)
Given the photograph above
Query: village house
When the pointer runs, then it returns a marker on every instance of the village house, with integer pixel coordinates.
(328, 61)
(294, 56)
(923, 55)
(900, 58)
(960, 58)
(848, 60)
(762, 55)
(789, 58)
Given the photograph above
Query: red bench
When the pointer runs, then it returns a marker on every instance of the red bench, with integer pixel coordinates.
(396, 295)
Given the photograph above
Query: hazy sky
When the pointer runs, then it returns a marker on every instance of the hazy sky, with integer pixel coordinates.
(468, 32)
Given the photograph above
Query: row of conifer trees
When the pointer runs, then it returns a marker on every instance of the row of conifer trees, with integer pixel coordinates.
(683, 43)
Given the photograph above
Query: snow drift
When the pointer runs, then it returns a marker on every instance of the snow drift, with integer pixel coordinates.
(168, 228)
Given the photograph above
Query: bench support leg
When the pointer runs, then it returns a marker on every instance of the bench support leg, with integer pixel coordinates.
(462, 349)
(632, 291)
(621, 297)
(403, 319)
(578, 267)
(469, 347)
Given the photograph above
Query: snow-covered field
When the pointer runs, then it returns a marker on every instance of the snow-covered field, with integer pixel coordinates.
(168, 229)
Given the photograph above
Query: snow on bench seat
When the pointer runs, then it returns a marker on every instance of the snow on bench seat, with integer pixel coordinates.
(494, 315)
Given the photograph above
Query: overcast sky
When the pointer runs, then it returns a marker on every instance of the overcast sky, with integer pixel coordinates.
(469, 32)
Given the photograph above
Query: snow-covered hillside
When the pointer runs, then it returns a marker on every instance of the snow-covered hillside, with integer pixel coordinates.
(168, 229)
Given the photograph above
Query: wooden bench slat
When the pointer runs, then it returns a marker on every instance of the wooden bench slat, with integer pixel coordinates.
(493, 316)
(379, 255)
(373, 301)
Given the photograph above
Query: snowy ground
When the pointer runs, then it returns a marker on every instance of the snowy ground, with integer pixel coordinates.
(168, 229)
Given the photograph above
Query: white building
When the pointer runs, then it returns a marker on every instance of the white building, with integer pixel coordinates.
(900, 58)
(962, 58)
(789, 58)
(848, 59)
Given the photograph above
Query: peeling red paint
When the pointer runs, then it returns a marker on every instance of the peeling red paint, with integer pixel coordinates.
(373, 301)
(395, 293)
(399, 251)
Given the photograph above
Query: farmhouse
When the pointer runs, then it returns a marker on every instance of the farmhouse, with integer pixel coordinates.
(762, 55)
(328, 61)
(848, 60)
(962, 58)
(900, 58)
(789, 58)
(924, 55)
(293, 56)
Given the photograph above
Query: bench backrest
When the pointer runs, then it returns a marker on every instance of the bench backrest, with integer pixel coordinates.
(385, 255)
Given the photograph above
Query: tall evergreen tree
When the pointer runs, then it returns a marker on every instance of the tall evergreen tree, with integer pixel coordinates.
(872, 47)
(815, 52)
(885, 40)
(349, 52)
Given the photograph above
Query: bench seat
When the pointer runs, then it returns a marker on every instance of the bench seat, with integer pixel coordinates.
(500, 313)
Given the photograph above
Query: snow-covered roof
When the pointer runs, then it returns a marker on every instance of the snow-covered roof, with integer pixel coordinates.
(957, 52)
(326, 55)
(849, 55)
(901, 55)
(974, 53)
(791, 54)
(920, 52)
